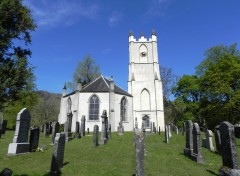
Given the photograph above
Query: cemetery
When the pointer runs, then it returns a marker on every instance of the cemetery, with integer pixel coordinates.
(130, 153)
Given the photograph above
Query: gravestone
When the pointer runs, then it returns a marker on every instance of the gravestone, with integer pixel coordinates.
(50, 127)
(237, 130)
(167, 134)
(208, 141)
(34, 139)
(20, 140)
(104, 129)
(55, 130)
(77, 131)
(95, 135)
(83, 125)
(154, 128)
(6, 172)
(87, 131)
(68, 135)
(109, 131)
(46, 129)
(151, 127)
(139, 152)
(228, 150)
(58, 153)
(217, 139)
(3, 126)
(159, 130)
(169, 131)
(189, 139)
(197, 152)
(136, 123)
(184, 129)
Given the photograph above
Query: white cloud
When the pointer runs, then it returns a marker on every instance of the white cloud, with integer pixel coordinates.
(61, 12)
(114, 19)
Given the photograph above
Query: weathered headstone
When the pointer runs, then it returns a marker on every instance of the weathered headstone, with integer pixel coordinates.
(208, 141)
(83, 125)
(139, 150)
(197, 152)
(58, 153)
(20, 140)
(109, 131)
(228, 150)
(167, 134)
(95, 136)
(154, 128)
(169, 131)
(77, 131)
(55, 130)
(87, 131)
(183, 129)
(46, 129)
(104, 129)
(50, 127)
(69, 120)
(217, 139)
(34, 139)
(136, 123)
(159, 130)
(188, 150)
(6, 172)
(68, 135)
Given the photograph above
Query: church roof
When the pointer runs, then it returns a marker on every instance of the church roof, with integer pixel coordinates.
(101, 84)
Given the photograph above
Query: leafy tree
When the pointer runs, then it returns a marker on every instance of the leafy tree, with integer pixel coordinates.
(86, 71)
(220, 87)
(17, 76)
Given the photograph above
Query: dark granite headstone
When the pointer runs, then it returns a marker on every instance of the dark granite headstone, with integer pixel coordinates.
(189, 139)
(58, 153)
(69, 120)
(95, 136)
(237, 130)
(77, 131)
(197, 152)
(83, 125)
(3, 126)
(228, 150)
(183, 129)
(55, 130)
(50, 127)
(68, 135)
(159, 130)
(87, 131)
(20, 140)
(109, 131)
(46, 129)
(6, 172)
(217, 139)
(34, 139)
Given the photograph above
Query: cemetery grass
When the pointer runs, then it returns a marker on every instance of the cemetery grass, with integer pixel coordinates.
(114, 159)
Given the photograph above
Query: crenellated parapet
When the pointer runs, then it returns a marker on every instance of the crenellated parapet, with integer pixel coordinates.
(142, 38)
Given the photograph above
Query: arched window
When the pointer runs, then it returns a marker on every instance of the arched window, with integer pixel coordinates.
(143, 54)
(146, 121)
(69, 105)
(145, 100)
(94, 108)
(123, 112)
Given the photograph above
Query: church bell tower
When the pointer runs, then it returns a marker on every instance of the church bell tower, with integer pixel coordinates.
(144, 82)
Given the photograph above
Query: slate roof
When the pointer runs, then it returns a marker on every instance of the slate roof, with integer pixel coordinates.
(101, 84)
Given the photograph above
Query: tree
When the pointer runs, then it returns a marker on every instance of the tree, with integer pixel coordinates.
(85, 72)
(220, 87)
(169, 80)
(17, 76)
(47, 108)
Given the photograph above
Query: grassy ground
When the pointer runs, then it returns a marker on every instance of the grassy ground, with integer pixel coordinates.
(114, 159)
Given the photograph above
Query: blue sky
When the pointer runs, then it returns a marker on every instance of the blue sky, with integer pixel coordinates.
(68, 30)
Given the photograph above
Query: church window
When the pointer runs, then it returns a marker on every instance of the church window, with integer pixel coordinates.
(145, 100)
(146, 121)
(94, 108)
(143, 54)
(123, 112)
(69, 105)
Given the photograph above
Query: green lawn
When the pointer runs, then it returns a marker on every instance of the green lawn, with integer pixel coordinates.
(114, 159)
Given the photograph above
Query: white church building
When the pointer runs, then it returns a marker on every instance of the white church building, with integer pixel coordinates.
(143, 101)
